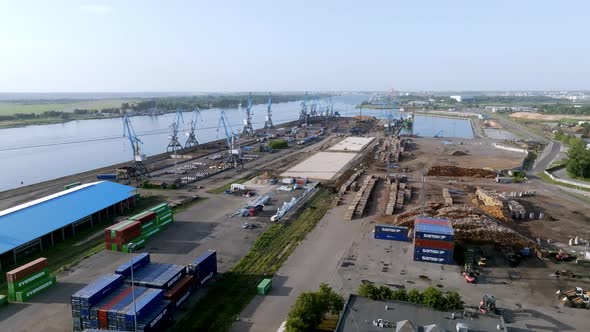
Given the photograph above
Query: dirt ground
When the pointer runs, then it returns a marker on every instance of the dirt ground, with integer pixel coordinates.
(548, 117)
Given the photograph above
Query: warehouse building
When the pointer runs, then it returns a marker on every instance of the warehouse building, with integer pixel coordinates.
(364, 315)
(28, 228)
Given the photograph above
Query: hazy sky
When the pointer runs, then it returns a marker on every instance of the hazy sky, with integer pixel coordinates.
(213, 45)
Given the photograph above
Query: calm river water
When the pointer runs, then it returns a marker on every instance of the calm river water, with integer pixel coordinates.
(39, 153)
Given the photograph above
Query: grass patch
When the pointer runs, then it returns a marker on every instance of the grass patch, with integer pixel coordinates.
(545, 178)
(232, 291)
(227, 186)
(65, 254)
(37, 107)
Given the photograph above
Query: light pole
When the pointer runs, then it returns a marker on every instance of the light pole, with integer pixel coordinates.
(130, 248)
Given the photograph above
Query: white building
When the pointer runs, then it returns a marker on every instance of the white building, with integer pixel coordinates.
(457, 98)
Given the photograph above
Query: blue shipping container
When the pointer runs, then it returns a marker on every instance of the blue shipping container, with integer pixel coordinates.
(137, 262)
(158, 275)
(433, 252)
(434, 236)
(158, 319)
(121, 305)
(97, 290)
(433, 259)
(437, 229)
(204, 267)
(106, 177)
(143, 307)
(386, 232)
(418, 219)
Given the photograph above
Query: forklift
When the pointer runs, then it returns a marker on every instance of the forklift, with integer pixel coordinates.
(488, 304)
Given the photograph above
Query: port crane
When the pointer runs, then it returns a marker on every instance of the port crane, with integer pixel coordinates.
(233, 142)
(303, 113)
(268, 123)
(174, 143)
(439, 133)
(248, 129)
(138, 169)
(192, 138)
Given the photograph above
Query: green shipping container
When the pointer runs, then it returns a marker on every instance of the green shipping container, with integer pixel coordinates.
(139, 215)
(36, 289)
(3, 300)
(159, 207)
(24, 283)
(11, 296)
(114, 247)
(264, 287)
(139, 243)
(148, 226)
(151, 233)
(165, 218)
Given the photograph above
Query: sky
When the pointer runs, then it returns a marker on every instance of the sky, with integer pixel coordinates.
(208, 46)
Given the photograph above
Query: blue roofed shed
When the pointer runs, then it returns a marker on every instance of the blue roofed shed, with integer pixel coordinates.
(29, 222)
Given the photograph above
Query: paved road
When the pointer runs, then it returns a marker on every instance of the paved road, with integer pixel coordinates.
(316, 260)
(549, 154)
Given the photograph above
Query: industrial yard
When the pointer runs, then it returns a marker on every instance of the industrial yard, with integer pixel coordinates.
(373, 188)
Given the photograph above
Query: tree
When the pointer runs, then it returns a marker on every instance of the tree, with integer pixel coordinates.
(400, 295)
(432, 298)
(369, 291)
(334, 302)
(578, 163)
(452, 301)
(414, 296)
(310, 307)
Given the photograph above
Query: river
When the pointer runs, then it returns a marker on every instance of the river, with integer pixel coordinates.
(34, 154)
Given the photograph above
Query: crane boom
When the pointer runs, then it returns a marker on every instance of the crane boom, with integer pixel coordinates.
(174, 143)
(192, 138)
(138, 169)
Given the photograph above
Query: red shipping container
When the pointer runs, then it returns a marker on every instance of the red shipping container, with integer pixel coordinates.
(26, 270)
(125, 234)
(102, 312)
(180, 288)
(434, 244)
(146, 218)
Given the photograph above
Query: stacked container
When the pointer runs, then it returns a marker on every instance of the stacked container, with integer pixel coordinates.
(29, 280)
(388, 232)
(138, 229)
(180, 291)
(157, 275)
(164, 214)
(204, 267)
(433, 240)
(89, 296)
(121, 233)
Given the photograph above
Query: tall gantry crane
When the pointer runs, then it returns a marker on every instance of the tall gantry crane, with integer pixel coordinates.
(192, 138)
(174, 143)
(303, 113)
(233, 142)
(138, 169)
(248, 129)
(268, 123)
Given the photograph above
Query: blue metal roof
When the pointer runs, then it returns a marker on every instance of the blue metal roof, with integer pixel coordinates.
(31, 222)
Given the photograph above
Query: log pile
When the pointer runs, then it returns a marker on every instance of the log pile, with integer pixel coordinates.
(489, 197)
(460, 171)
(349, 182)
(447, 196)
(469, 224)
